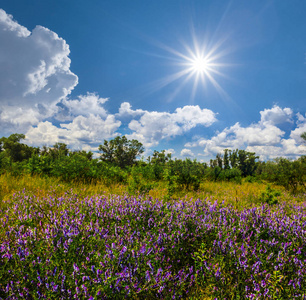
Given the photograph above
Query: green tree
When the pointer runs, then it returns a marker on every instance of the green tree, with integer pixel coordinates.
(157, 162)
(303, 136)
(59, 150)
(226, 160)
(15, 150)
(233, 157)
(212, 163)
(219, 160)
(247, 162)
(121, 151)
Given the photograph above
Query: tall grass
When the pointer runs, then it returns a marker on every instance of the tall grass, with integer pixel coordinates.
(240, 196)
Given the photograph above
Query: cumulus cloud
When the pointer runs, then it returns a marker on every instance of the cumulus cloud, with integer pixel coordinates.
(301, 128)
(264, 138)
(125, 110)
(84, 132)
(92, 128)
(300, 118)
(240, 137)
(276, 115)
(84, 105)
(18, 118)
(34, 70)
(257, 134)
(287, 148)
(186, 153)
(154, 126)
(170, 151)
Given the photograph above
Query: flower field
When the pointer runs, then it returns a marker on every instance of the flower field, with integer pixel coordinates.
(123, 247)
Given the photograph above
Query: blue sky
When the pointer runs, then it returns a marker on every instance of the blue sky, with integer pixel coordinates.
(190, 77)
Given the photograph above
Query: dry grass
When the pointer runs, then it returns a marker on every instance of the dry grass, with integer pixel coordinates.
(239, 195)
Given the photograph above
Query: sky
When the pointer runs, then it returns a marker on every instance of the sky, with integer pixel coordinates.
(189, 77)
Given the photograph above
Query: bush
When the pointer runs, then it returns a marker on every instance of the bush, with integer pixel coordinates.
(269, 196)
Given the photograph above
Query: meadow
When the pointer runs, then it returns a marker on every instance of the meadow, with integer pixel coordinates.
(73, 240)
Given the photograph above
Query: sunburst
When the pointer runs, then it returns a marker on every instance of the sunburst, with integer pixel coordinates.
(201, 63)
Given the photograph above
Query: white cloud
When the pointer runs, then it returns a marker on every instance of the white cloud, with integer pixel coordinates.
(154, 126)
(301, 128)
(83, 132)
(186, 153)
(266, 152)
(171, 151)
(34, 70)
(92, 129)
(257, 134)
(264, 138)
(292, 149)
(85, 105)
(190, 116)
(276, 115)
(11, 25)
(47, 134)
(125, 110)
(18, 118)
(301, 118)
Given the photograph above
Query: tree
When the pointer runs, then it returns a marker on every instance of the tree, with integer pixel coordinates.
(160, 157)
(14, 149)
(121, 151)
(219, 160)
(303, 136)
(233, 157)
(157, 163)
(226, 160)
(247, 162)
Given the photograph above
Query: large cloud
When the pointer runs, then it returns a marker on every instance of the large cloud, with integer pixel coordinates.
(34, 71)
(301, 128)
(186, 153)
(85, 105)
(154, 126)
(264, 138)
(276, 115)
(82, 132)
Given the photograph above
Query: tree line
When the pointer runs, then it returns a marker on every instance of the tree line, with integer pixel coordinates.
(119, 163)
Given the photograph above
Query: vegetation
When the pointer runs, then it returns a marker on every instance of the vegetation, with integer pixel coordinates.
(118, 164)
(76, 227)
(117, 247)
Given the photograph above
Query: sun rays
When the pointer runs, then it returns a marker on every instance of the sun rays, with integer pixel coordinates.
(200, 63)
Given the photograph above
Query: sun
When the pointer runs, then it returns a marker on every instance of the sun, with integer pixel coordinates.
(200, 63)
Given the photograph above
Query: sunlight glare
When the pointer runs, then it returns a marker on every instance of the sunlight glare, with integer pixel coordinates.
(200, 65)
(200, 62)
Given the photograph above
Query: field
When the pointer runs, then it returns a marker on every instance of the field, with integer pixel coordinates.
(92, 241)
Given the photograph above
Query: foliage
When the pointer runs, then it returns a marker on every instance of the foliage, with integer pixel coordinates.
(188, 173)
(141, 248)
(171, 183)
(157, 163)
(136, 183)
(118, 164)
(269, 196)
(16, 151)
(290, 174)
(121, 151)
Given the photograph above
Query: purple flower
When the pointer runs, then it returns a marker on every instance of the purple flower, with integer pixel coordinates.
(76, 268)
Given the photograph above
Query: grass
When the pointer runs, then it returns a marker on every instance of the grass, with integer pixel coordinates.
(240, 196)
(93, 241)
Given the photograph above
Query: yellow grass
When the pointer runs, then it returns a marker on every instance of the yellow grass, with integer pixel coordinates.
(239, 195)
